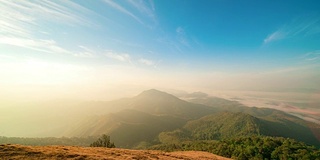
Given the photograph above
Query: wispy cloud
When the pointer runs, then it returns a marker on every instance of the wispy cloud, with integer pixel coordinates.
(48, 46)
(27, 12)
(152, 5)
(20, 20)
(86, 52)
(312, 56)
(274, 36)
(145, 7)
(122, 9)
(146, 62)
(299, 27)
(182, 36)
(123, 57)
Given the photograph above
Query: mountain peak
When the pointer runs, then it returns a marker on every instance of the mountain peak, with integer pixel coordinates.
(153, 93)
(161, 103)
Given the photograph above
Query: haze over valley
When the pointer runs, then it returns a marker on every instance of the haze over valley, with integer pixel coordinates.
(239, 79)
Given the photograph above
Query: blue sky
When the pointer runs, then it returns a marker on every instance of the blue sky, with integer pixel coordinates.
(182, 44)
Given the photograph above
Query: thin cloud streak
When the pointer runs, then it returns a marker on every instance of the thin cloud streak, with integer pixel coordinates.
(312, 56)
(274, 36)
(26, 11)
(86, 52)
(48, 46)
(122, 9)
(296, 27)
(20, 19)
(146, 62)
(182, 36)
(152, 5)
(123, 57)
(142, 7)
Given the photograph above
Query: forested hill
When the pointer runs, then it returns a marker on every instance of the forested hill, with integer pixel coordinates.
(253, 147)
(160, 120)
(152, 115)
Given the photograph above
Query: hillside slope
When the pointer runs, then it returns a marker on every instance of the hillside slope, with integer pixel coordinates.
(68, 152)
(154, 114)
(150, 101)
(217, 126)
(276, 123)
(128, 127)
(161, 103)
(140, 118)
(224, 125)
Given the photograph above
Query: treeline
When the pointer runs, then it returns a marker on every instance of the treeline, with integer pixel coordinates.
(255, 147)
(73, 141)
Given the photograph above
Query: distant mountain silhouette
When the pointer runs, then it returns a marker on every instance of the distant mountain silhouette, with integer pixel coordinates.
(143, 116)
(161, 103)
(155, 115)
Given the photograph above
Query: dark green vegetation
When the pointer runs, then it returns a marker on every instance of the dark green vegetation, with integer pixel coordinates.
(271, 122)
(103, 141)
(255, 147)
(215, 127)
(223, 125)
(234, 124)
(157, 119)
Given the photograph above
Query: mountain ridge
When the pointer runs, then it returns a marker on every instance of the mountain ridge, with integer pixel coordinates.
(157, 113)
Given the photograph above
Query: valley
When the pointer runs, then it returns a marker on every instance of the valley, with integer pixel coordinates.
(160, 79)
(157, 120)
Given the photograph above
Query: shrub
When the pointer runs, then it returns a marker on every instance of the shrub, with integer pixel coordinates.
(103, 141)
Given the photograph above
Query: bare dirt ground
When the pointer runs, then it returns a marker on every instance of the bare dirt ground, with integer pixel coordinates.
(12, 151)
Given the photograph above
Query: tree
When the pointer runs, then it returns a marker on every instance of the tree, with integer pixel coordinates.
(103, 141)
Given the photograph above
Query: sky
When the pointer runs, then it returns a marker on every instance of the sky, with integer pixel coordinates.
(104, 49)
